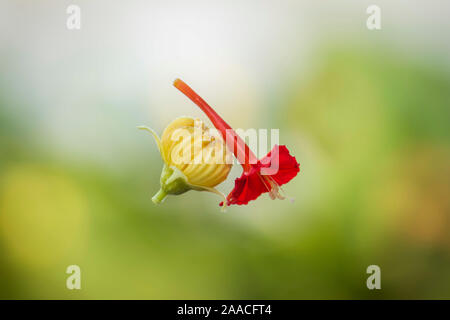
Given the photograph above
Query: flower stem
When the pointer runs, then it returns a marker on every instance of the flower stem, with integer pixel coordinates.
(159, 196)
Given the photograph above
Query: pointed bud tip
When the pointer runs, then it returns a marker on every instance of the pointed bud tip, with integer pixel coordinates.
(177, 82)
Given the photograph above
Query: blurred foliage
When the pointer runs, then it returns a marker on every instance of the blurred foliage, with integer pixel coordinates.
(371, 133)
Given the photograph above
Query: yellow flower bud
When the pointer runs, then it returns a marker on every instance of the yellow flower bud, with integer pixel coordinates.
(195, 158)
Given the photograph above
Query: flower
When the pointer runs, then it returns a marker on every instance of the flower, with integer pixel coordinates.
(194, 158)
(258, 176)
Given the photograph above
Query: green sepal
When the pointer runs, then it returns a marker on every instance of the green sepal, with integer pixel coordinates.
(172, 181)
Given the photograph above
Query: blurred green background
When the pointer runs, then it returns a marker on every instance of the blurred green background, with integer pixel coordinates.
(366, 113)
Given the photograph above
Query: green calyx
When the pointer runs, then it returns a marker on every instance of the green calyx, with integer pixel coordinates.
(173, 181)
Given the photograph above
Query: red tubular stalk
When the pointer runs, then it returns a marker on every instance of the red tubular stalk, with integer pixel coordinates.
(234, 142)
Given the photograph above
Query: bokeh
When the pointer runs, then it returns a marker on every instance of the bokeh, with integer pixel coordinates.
(366, 113)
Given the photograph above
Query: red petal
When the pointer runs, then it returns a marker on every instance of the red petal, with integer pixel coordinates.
(288, 167)
(250, 186)
(247, 187)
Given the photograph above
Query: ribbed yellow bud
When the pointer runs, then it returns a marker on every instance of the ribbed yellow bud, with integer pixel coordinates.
(194, 156)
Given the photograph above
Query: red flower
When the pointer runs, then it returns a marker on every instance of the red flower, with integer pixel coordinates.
(266, 175)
